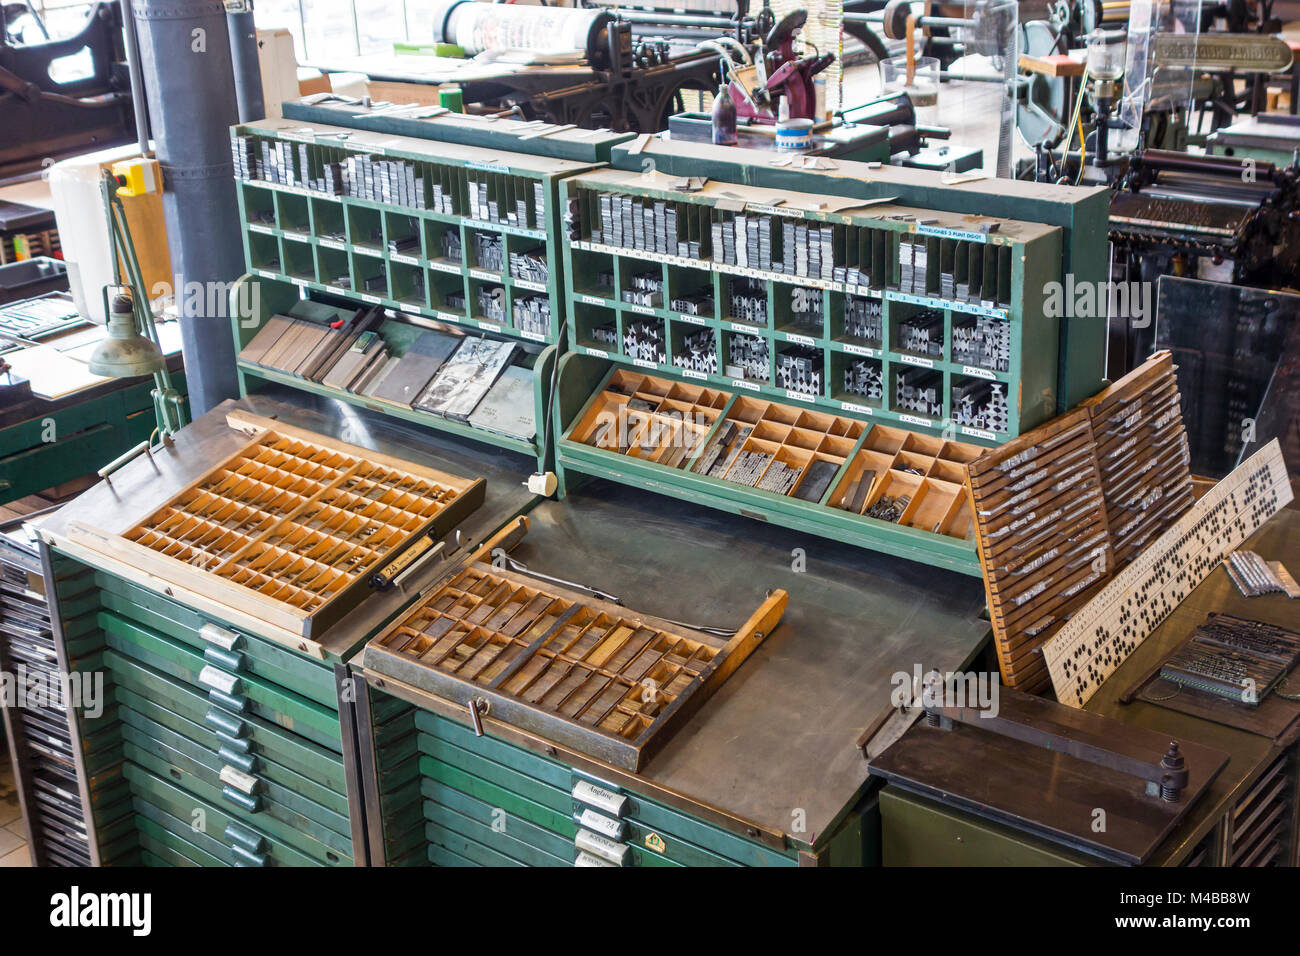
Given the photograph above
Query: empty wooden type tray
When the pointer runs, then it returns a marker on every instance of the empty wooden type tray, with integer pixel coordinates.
(1042, 537)
(293, 526)
(579, 671)
(1142, 454)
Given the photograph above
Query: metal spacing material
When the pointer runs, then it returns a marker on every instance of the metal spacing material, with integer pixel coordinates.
(602, 847)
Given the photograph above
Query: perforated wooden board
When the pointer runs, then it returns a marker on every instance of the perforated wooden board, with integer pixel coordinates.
(575, 669)
(1123, 614)
(294, 524)
(1042, 538)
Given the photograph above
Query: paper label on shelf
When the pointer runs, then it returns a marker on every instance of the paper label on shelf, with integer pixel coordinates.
(330, 244)
(405, 260)
(602, 798)
(857, 409)
(602, 847)
(489, 167)
(692, 373)
(445, 267)
(645, 363)
(943, 232)
(914, 420)
(370, 299)
(799, 396)
(489, 326)
(693, 319)
(533, 336)
(599, 823)
(591, 300)
(915, 360)
(748, 386)
(639, 309)
(977, 372)
(977, 433)
(800, 339)
(450, 317)
(596, 352)
(336, 290)
(486, 276)
(861, 350)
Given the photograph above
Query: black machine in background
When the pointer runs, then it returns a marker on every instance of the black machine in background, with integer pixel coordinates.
(1201, 217)
(43, 119)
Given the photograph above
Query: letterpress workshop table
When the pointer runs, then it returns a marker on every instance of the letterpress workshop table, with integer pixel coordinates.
(772, 756)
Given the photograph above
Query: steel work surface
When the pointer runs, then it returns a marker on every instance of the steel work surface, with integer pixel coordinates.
(1278, 540)
(138, 487)
(779, 737)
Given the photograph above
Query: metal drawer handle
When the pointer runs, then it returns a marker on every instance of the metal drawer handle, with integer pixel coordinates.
(599, 823)
(586, 859)
(245, 761)
(250, 841)
(237, 704)
(251, 804)
(223, 723)
(602, 847)
(231, 661)
(226, 640)
(244, 858)
(602, 798)
(219, 680)
(245, 783)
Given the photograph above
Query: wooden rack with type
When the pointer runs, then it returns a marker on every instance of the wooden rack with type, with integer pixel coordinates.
(1059, 509)
(576, 669)
(293, 525)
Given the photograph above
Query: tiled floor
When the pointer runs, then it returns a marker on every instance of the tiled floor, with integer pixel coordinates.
(13, 836)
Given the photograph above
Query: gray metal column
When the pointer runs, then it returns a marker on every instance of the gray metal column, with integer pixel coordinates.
(248, 69)
(185, 54)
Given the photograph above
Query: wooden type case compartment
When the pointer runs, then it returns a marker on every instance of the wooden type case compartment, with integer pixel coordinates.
(293, 526)
(575, 669)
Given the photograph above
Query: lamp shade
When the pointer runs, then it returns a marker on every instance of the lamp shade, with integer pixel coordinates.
(125, 353)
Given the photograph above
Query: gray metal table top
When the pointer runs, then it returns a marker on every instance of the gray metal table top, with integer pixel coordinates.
(776, 745)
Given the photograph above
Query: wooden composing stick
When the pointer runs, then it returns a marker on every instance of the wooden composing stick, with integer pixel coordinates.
(292, 525)
(1042, 538)
(578, 670)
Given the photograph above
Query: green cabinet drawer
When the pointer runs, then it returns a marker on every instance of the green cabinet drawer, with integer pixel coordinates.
(197, 837)
(224, 646)
(540, 793)
(246, 734)
(241, 693)
(259, 783)
(264, 838)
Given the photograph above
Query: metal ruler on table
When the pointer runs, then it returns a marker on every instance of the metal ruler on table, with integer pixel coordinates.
(1100, 636)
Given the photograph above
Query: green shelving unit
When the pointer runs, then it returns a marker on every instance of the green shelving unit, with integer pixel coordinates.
(793, 306)
(308, 228)
(1020, 257)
